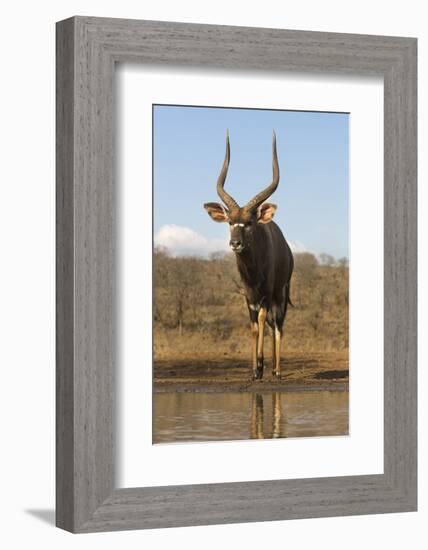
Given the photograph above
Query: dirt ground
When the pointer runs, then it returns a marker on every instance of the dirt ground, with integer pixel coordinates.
(299, 371)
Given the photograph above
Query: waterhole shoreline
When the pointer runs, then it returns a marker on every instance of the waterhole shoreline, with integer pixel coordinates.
(256, 387)
(300, 373)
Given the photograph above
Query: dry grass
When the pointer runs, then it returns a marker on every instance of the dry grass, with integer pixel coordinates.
(200, 311)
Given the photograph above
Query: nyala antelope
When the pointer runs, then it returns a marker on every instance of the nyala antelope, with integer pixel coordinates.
(264, 260)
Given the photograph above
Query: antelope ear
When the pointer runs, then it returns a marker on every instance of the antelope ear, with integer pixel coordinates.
(217, 211)
(266, 212)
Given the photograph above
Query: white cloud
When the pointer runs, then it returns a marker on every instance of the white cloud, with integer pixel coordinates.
(182, 241)
(297, 247)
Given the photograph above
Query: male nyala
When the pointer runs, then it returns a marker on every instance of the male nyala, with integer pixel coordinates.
(264, 260)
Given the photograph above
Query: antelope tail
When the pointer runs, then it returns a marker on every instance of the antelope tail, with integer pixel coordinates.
(288, 295)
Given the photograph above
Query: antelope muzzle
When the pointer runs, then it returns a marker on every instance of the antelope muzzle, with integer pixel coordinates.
(237, 238)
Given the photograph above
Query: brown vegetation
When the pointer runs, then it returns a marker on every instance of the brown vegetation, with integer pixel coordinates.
(200, 310)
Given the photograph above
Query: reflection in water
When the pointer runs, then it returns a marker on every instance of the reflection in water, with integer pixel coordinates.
(225, 416)
(257, 416)
(276, 415)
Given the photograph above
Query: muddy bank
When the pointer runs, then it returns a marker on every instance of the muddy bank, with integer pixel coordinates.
(299, 372)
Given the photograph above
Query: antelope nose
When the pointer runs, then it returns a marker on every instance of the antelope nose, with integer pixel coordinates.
(235, 244)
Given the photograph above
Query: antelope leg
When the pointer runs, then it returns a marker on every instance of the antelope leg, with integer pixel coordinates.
(255, 336)
(277, 352)
(273, 352)
(260, 344)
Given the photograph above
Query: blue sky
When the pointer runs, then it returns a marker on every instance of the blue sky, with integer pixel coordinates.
(312, 197)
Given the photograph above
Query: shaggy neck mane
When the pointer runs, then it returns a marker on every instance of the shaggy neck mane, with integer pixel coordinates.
(251, 259)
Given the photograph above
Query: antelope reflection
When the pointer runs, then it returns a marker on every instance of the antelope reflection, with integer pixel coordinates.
(258, 413)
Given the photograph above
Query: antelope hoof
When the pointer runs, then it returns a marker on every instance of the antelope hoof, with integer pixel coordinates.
(258, 373)
(276, 375)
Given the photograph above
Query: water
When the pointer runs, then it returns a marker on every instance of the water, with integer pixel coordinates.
(224, 416)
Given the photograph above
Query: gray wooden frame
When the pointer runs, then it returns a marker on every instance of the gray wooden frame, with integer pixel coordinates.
(87, 50)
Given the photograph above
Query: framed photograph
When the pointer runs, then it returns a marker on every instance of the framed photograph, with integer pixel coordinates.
(236, 274)
(225, 288)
